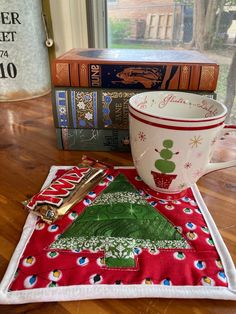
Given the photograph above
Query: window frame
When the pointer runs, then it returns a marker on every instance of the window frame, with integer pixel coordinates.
(97, 23)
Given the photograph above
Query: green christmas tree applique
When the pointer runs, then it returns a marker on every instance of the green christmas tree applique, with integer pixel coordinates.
(116, 222)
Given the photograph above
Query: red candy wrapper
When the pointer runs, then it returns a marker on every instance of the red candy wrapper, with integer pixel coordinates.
(56, 199)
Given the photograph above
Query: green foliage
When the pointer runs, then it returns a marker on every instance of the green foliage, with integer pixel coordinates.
(118, 29)
(184, 1)
(218, 42)
(230, 2)
(222, 82)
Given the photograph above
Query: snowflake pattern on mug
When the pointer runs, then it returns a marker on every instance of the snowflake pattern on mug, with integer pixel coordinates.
(141, 136)
(195, 141)
(187, 165)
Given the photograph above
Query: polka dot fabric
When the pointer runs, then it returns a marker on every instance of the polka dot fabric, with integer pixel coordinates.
(199, 265)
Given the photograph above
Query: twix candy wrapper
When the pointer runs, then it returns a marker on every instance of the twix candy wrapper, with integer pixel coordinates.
(56, 199)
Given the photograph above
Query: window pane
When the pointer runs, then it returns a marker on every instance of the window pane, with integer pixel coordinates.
(163, 24)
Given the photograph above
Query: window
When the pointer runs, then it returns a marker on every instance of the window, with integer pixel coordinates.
(112, 1)
(167, 24)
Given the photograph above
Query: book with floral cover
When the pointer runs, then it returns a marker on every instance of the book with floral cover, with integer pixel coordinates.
(98, 108)
(90, 108)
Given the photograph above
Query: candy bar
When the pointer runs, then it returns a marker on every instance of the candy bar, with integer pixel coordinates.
(56, 199)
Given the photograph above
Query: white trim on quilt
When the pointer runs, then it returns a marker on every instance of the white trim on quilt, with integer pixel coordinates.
(83, 292)
(226, 259)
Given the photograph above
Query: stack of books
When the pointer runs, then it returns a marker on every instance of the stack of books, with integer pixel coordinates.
(92, 87)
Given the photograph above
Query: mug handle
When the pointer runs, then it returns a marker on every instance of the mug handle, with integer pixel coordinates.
(226, 164)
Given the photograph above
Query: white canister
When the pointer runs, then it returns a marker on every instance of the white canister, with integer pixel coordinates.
(24, 61)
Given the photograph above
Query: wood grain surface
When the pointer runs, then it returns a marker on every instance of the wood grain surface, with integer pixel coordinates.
(27, 151)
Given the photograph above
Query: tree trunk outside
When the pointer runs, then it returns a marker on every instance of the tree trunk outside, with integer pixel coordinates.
(192, 43)
(221, 9)
(200, 21)
(210, 21)
(204, 21)
(231, 82)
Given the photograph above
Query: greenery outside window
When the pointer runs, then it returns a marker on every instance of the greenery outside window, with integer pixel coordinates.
(204, 25)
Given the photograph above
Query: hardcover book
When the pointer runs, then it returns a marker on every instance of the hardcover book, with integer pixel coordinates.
(93, 108)
(135, 68)
(93, 139)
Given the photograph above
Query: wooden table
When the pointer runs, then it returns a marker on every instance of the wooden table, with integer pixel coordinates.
(28, 149)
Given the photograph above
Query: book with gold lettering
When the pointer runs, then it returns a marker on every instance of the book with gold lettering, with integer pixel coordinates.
(136, 69)
(93, 139)
(93, 108)
(89, 108)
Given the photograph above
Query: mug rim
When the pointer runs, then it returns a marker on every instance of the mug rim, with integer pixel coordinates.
(178, 119)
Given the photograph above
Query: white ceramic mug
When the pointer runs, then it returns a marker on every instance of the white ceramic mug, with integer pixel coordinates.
(172, 136)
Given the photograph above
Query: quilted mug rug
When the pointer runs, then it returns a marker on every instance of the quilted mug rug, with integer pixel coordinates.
(121, 242)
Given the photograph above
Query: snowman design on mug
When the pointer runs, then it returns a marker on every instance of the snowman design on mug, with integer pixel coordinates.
(164, 178)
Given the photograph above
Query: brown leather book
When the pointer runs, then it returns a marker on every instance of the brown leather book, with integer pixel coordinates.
(136, 69)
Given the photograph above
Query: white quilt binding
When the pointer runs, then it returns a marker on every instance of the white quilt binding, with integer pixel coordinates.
(104, 291)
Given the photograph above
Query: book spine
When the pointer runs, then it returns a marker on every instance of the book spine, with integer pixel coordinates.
(207, 81)
(192, 77)
(93, 139)
(90, 108)
(61, 108)
(61, 74)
